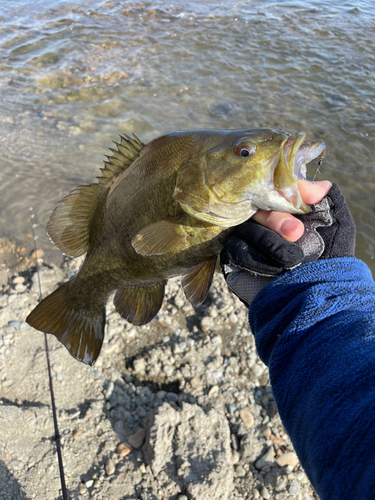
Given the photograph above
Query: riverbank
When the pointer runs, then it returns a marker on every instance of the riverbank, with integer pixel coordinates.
(177, 409)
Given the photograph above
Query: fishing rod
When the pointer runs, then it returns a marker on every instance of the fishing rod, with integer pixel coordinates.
(57, 436)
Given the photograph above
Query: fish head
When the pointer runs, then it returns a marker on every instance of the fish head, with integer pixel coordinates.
(244, 171)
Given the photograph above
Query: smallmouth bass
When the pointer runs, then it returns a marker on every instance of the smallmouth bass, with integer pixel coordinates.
(161, 210)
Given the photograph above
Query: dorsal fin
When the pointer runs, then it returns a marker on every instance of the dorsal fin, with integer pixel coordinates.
(127, 151)
(69, 225)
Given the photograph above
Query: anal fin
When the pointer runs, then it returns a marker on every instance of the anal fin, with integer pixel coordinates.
(198, 279)
(160, 237)
(139, 304)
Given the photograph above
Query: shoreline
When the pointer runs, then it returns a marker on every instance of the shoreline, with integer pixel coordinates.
(180, 408)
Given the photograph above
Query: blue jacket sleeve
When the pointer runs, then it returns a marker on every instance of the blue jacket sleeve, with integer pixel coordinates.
(315, 329)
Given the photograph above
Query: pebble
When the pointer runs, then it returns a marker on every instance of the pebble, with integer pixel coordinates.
(172, 397)
(139, 366)
(20, 288)
(82, 488)
(300, 475)
(235, 457)
(214, 390)
(109, 390)
(196, 383)
(240, 471)
(109, 468)
(233, 317)
(123, 449)
(17, 464)
(255, 493)
(19, 280)
(266, 460)
(89, 483)
(182, 497)
(161, 394)
(37, 254)
(289, 458)
(281, 483)
(179, 302)
(137, 439)
(294, 488)
(265, 493)
(207, 323)
(97, 484)
(247, 418)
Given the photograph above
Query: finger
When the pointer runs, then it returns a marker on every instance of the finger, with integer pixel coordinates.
(282, 223)
(313, 192)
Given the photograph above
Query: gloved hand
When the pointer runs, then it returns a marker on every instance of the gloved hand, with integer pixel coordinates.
(253, 254)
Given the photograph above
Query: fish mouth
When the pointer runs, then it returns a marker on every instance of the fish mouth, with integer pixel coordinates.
(291, 166)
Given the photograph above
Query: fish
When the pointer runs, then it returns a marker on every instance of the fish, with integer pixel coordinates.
(160, 210)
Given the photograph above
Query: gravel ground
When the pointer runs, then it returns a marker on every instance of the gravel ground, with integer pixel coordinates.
(177, 409)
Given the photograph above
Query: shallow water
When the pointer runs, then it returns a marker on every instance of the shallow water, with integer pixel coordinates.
(73, 75)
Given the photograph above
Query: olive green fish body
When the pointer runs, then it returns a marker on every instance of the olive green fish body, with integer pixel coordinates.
(161, 210)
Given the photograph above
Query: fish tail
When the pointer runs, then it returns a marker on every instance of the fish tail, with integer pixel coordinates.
(78, 326)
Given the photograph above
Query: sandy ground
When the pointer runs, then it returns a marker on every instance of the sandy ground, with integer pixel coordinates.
(178, 409)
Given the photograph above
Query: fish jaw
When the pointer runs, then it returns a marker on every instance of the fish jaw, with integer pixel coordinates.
(307, 152)
(285, 171)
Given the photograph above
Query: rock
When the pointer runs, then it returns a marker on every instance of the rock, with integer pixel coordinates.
(109, 468)
(247, 418)
(82, 488)
(123, 449)
(203, 444)
(235, 457)
(196, 383)
(213, 391)
(97, 484)
(137, 439)
(109, 390)
(37, 254)
(139, 366)
(207, 324)
(281, 483)
(89, 483)
(18, 280)
(240, 471)
(289, 458)
(265, 460)
(294, 488)
(255, 493)
(172, 397)
(265, 493)
(250, 448)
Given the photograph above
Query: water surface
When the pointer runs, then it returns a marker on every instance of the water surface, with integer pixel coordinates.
(73, 75)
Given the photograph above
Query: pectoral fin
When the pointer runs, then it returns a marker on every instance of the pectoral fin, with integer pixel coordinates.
(139, 304)
(198, 279)
(160, 237)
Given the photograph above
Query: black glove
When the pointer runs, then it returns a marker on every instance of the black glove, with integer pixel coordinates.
(253, 254)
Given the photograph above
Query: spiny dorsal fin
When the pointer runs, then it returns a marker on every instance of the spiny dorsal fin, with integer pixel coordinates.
(69, 225)
(127, 151)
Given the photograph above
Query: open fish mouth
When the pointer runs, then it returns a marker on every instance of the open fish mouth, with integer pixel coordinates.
(298, 153)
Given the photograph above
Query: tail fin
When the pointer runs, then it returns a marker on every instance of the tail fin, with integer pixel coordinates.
(80, 330)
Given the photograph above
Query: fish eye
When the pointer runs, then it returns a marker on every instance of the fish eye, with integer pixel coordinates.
(244, 150)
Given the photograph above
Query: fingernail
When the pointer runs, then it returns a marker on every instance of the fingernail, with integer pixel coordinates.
(289, 226)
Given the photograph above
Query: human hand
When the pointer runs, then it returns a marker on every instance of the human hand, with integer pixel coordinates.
(255, 253)
(286, 225)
